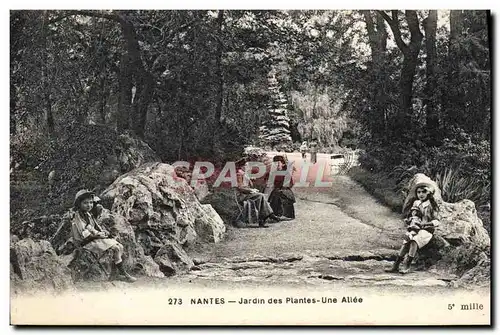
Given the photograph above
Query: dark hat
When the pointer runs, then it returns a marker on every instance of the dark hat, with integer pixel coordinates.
(241, 161)
(279, 158)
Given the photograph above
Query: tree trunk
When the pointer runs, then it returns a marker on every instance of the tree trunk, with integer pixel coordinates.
(144, 82)
(451, 98)
(45, 80)
(315, 99)
(406, 84)
(102, 102)
(377, 36)
(125, 94)
(402, 125)
(13, 106)
(141, 102)
(410, 63)
(17, 22)
(50, 116)
(220, 74)
(456, 25)
(432, 117)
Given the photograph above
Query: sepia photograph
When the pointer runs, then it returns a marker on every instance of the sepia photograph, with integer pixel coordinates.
(250, 167)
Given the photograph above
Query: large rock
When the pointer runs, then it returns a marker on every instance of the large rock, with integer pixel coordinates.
(209, 225)
(460, 224)
(85, 267)
(35, 265)
(478, 275)
(460, 243)
(135, 259)
(201, 190)
(161, 210)
(172, 259)
(223, 201)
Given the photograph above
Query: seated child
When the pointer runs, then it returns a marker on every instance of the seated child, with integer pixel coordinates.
(89, 235)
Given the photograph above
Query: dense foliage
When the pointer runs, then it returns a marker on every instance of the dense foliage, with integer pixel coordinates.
(441, 123)
(411, 88)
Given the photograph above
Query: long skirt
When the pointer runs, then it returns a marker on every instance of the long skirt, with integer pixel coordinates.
(422, 238)
(282, 202)
(101, 245)
(255, 208)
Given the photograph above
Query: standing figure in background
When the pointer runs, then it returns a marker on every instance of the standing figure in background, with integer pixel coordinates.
(303, 149)
(313, 149)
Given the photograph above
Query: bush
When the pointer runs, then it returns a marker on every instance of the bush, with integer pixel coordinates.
(461, 164)
(455, 186)
(81, 156)
(31, 149)
(469, 157)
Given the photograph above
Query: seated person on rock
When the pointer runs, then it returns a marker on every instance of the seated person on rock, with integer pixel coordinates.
(89, 235)
(429, 209)
(253, 201)
(282, 198)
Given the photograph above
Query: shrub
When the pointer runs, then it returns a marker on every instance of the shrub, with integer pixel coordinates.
(462, 164)
(455, 186)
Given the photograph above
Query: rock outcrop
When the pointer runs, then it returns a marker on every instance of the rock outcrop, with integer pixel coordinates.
(209, 225)
(223, 201)
(164, 215)
(460, 224)
(35, 265)
(135, 259)
(154, 214)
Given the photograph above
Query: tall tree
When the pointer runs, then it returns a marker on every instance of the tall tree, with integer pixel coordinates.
(17, 23)
(430, 103)
(45, 75)
(410, 61)
(132, 73)
(219, 72)
(456, 25)
(377, 38)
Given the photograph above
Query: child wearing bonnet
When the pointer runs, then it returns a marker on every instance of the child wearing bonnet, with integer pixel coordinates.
(424, 215)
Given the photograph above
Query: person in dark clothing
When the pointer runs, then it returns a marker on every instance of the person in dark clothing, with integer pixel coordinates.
(255, 206)
(313, 150)
(282, 198)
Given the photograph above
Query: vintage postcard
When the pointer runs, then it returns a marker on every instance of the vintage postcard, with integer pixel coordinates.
(250, 167)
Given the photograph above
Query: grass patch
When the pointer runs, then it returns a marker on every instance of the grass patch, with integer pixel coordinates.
(378, 185)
